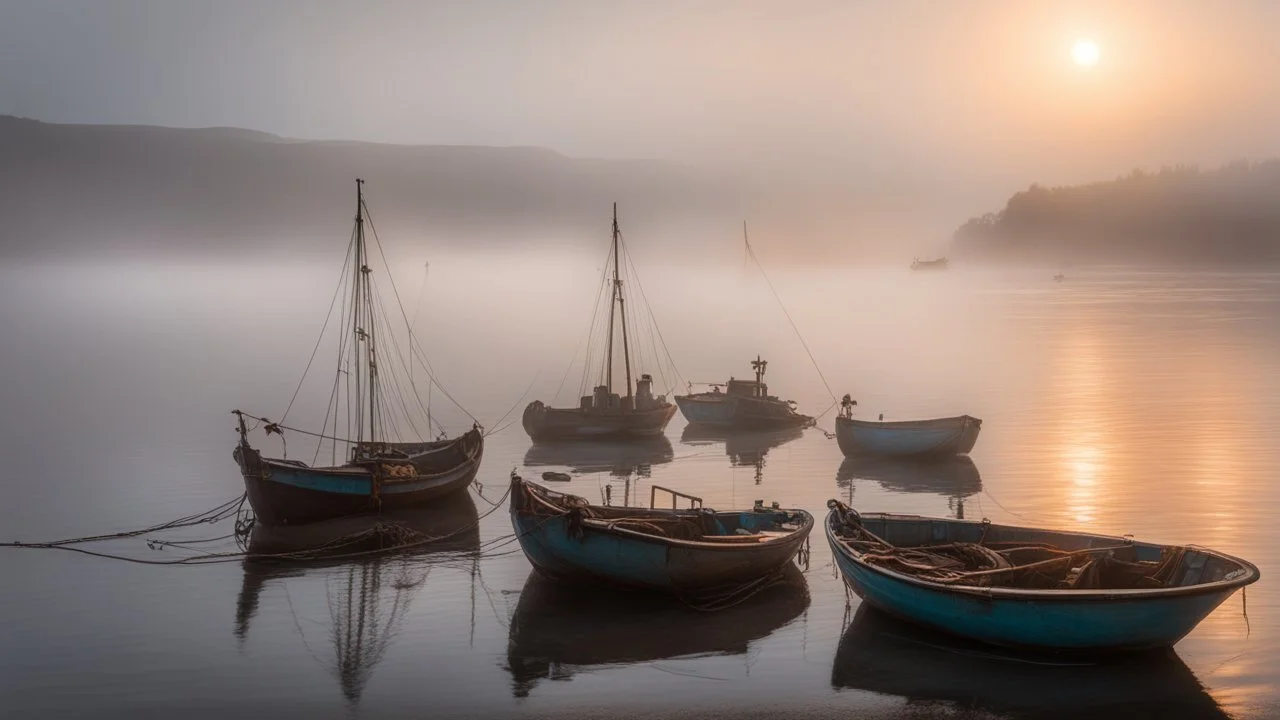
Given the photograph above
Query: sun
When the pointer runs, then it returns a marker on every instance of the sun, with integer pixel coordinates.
(1086, 53)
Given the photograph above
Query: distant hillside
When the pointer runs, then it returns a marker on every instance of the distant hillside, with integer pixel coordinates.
(1181, 214)
(76, 189)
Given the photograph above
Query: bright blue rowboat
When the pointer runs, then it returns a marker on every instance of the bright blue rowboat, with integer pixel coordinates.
(1059, 591)
(911, 438)
(691, 552)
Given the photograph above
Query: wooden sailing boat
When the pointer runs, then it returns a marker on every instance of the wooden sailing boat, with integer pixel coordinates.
(378, 473)
(604, 414)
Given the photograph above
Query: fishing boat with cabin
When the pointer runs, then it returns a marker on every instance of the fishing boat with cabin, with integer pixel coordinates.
(936, 438)
(604, 414)
(690, 552)
(744, 405)
(374, 391)
(1030, 588)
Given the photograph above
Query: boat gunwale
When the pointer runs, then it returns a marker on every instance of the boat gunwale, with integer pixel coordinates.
(362, 471)
(906, 424)
(797, 535)
(1252, 574)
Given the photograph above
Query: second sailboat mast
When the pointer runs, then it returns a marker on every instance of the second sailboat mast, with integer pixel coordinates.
(622, 312)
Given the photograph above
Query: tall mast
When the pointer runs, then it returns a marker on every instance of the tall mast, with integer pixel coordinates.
(613, 299)
(622, 310)
(364, 302)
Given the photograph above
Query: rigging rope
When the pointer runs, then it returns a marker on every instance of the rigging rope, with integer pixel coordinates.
(752, 254)
(327, 317)
(413, 343)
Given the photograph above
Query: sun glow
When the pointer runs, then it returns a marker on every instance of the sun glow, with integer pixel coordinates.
(1086, 53)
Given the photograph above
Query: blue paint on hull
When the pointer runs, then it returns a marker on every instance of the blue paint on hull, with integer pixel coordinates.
(930, 438)
(1048, 620)
(639, 560)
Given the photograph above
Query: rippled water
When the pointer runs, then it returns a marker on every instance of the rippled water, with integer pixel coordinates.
(1116, 402)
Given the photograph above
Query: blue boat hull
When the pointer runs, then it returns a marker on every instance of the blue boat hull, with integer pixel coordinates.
(566, 548)
(1058, 620)
(916, 439)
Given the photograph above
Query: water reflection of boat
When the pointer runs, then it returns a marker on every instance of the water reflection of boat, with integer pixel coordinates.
(745, 448)
(882, 654)
(620, 458)
(557, 631)
(368, 593)
(953, 477)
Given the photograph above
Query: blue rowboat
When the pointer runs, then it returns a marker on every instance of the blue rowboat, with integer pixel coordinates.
(691, 552)
(912, 438)
(1094, 593)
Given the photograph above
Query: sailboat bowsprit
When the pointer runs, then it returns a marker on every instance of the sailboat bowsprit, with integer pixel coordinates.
(378, 472)
(604, 414)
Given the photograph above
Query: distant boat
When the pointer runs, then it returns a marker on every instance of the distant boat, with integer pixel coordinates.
(378, 473)
(694, 552)
(604, 414)
(1030, 588)
(744, 405)
(910, 438)
(1059, 277)
(557, 631)
(935, 264)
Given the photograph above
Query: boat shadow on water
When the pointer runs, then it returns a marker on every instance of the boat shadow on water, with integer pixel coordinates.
(618, 458)
(558, 630)
(881, 654)
(372, 565)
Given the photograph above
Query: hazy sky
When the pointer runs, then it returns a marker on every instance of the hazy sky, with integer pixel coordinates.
(982, 92)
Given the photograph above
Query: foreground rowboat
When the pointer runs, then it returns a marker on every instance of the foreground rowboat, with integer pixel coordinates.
(1030, 588)
(694, 551)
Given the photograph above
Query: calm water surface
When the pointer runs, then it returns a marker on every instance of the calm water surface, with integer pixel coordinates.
(1116, 402)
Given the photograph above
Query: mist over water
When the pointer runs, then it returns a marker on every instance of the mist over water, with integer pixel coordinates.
(1117, 401)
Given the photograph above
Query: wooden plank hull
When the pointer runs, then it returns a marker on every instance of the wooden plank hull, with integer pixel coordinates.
(917, 438)
(574, 549)
(544, 423)
(291, 493)
(722, 411)
(1055, 620)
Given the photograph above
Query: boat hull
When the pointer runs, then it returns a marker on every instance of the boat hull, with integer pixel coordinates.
(920, 438)
(291, 493)
(1089, 621)
(544, 423)
(730, 412)
(567, 550)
